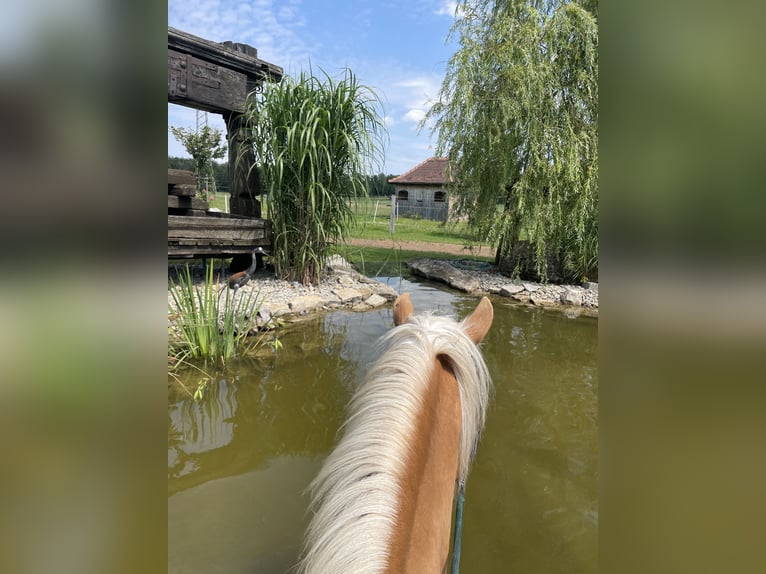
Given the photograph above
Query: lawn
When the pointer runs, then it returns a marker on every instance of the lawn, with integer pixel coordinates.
(389, 262)
(219, 200)
(373, 219)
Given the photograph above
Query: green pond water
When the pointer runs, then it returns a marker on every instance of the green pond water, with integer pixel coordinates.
(239, 461)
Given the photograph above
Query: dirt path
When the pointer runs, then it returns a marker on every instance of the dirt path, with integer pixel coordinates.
(424, 246)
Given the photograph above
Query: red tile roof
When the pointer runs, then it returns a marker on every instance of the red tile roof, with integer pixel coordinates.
(432, 171)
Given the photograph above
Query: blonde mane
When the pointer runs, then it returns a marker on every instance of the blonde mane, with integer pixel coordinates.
(354, 497)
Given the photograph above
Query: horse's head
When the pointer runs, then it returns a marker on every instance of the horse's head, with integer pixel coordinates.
(476, 325)
(383, 498)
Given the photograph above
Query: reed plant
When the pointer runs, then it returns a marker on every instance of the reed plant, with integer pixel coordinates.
(211, 321)
(315, 140)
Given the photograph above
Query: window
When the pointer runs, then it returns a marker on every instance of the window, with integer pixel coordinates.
(440, 197)
(402, 195)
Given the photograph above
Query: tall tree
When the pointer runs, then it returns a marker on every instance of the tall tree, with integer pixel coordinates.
(315, 139)
(518, 119)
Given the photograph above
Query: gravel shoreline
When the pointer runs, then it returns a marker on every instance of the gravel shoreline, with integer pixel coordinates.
(342, 287)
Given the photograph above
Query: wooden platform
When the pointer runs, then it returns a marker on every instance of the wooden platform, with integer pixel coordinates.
(194, 231)
(216, 235)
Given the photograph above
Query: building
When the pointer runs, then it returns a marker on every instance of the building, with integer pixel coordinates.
(422, 191)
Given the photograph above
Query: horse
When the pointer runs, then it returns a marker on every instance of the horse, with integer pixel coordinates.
(382, 501)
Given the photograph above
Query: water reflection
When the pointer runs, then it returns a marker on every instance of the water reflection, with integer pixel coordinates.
(239, 461)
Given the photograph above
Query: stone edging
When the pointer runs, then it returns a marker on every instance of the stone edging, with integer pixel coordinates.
(342, 287)
(575, 299)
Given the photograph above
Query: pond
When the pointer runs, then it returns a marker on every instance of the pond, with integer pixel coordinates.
(239, 461)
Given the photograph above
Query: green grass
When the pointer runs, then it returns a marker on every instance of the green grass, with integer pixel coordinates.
(218, 201)
(373, 222)
(389, 262)
(208, 322)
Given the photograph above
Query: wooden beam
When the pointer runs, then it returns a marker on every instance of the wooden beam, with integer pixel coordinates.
(218, 223)
(187, 203)
(224, 56)
(182, 189)
(181, 176)
(216, 236)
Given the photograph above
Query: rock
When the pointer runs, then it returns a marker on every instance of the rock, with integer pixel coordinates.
(385, 291)
(510, 289)
(572, 297)
(347, 294)
(276, 309)
(337, 263)
(375, 300)
(443, 271)
(572, 312)
(591, 286)
(305, 303)
(530, 287)
(366, 292)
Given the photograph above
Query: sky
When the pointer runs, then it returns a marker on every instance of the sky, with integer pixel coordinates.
(397, 47)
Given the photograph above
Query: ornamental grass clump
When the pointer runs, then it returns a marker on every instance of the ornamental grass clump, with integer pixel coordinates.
(315, 141)
(209, 320)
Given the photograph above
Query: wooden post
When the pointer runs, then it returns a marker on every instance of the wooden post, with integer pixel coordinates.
(245, 185)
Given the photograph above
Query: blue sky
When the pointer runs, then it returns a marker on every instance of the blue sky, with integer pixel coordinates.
(396, 47)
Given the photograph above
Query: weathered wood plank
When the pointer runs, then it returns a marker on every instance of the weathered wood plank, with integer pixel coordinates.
(187, 212)
(180, 222)
(197, 83)
(199, 248)
(237, 60)
(190, 252)
(236, 243)
(181, 176)
(187, 203)
(222, 234)
(182, 189)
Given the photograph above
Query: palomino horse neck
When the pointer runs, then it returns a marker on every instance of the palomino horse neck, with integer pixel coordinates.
(383, 498)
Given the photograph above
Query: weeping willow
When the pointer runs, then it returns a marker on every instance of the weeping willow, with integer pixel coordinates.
(518, 119)
(315, 140)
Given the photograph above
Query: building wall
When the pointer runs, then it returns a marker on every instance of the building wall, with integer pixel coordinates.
(422, 201)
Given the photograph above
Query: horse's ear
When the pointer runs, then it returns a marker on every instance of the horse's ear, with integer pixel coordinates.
(402, 309)
(477, 324)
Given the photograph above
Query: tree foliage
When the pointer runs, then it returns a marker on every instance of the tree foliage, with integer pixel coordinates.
(315, 139)
(377, 185)
(204, 146)
(518, 120)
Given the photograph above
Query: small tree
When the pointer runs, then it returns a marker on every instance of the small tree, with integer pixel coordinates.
(204, 146)
(315, 141)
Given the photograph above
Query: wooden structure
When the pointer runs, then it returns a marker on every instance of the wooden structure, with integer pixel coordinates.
(219, 78)
(421, 192)
(193, 231)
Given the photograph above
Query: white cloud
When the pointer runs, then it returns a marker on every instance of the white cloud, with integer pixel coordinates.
(414, 115)
(268, 25)
(447, 8)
